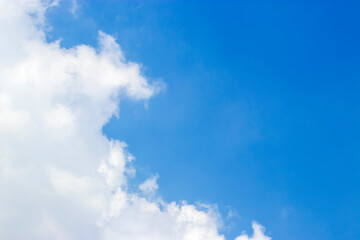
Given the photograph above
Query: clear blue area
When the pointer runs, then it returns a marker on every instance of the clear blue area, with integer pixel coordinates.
(262, 109)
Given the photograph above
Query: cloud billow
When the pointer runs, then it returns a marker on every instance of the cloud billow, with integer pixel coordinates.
(60, 177)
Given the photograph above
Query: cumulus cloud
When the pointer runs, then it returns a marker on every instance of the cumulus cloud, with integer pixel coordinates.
(60, 177)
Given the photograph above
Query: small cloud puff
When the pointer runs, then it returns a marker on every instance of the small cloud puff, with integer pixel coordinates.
(150, 186)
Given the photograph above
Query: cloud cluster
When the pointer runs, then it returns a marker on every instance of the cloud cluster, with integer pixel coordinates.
(60, 177)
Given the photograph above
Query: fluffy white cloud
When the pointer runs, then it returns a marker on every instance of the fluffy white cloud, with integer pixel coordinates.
(60, 177)
(258, 233)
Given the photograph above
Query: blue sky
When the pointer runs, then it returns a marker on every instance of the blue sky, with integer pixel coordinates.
(261, 110)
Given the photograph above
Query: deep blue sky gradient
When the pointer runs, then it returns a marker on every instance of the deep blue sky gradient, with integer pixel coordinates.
(261, 113)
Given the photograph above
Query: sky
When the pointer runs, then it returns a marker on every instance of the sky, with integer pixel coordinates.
(182, 120)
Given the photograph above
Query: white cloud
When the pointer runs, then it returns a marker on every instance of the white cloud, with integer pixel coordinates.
(150, 186)
(60, 177)
(258, 233)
